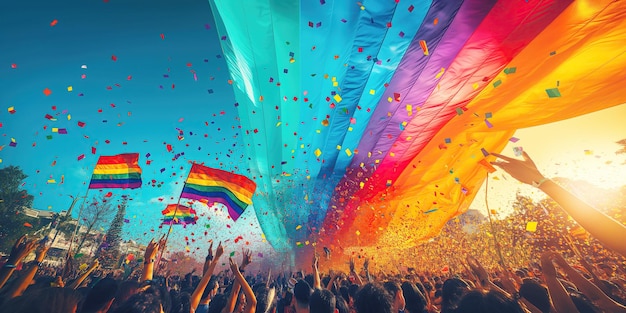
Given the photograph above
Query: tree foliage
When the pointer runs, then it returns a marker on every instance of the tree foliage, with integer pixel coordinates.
(109, 251)
(95, 215)
(13, 200)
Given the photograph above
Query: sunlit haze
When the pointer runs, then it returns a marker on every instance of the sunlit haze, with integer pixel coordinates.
(582, 148)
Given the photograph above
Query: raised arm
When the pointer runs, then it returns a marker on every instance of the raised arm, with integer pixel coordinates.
(333, 277)
(234, 293)
(359, 281)
(148, 260)
(197, 293)
(316, 272)
(588, 288)
(75, 284)
(20, 250)
(607, 230)
(24, 281)
(366, 269)
(247, 290)
(560, 299)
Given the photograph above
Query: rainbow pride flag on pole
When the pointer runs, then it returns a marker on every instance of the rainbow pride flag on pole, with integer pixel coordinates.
(183, 216)
(207, 184)
(117, 171)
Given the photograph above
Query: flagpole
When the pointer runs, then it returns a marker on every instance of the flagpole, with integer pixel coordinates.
(80, 211)
(167, 236)
(493, 230)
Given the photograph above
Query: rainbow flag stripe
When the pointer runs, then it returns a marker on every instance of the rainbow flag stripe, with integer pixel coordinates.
(117, 171)
(208, 185)
(183, 216)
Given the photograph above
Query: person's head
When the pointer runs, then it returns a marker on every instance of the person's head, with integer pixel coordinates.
(607, 270)
(43, 300)
(428, 286)
(536, 294)
(124, 291)
(241, 302)
(302, 294)
(285, 301)
(341, 305)
(492, 301)
(582, 303)
(218, 303)
(101, 296)
(344, 293)
(264, 298)
(373, 298)
(415, 300)
(309, 279)
(521, 273)
(393, 288)
(322, 301)
(146, 301)
(211, 289)
(451, 292)
(352, 291)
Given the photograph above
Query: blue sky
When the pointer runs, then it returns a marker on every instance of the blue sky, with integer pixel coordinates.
(140, 72)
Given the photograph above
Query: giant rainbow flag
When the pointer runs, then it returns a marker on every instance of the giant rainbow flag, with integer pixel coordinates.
(117, 171)
(207, 184)
(182, 216)
(372, 121)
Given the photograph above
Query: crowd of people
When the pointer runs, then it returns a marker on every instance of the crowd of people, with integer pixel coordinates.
(554, 282)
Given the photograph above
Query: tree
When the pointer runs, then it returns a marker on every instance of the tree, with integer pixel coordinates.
(13, 201)
(109, 251)
(93, 216)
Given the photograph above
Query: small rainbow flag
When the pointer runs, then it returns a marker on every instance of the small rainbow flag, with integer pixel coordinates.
(183, 216)
(117, 171)
(207, 184)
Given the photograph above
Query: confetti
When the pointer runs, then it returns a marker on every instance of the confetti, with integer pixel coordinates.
(553, 93)
(487, 165)
(424, 47)
(510, 70)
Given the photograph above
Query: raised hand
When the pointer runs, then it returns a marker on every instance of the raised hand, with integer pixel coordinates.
(523, 170)
(234, 267)
(21, 249)
(547, 267)
(219, 251)
(316, 260)
(479, 270)
(209, 256)
(366, 264)
(162, 243)
(247, 259)
(40, 252)
(151, 251)
(351, 264)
